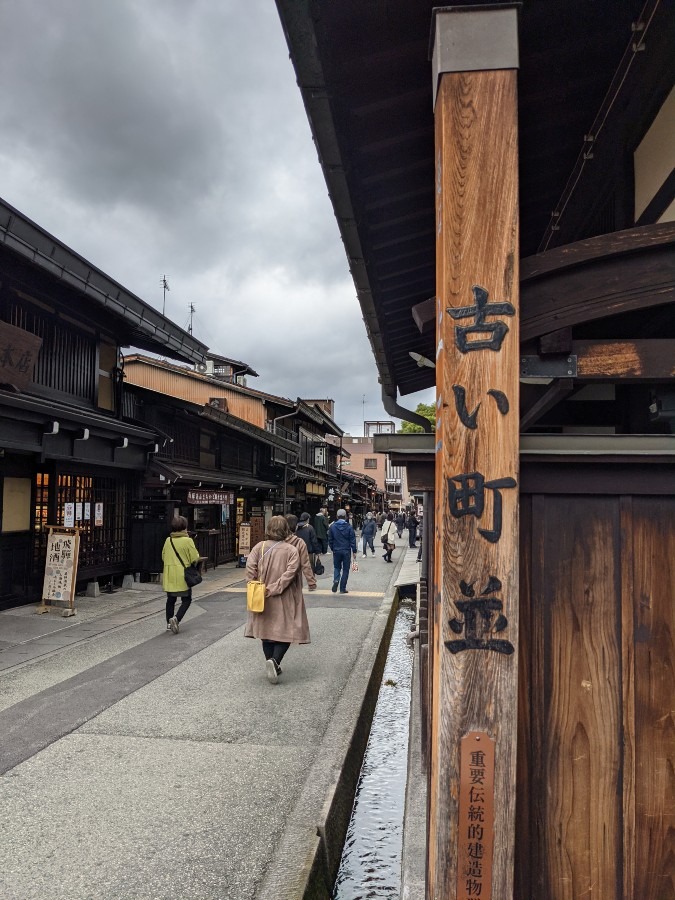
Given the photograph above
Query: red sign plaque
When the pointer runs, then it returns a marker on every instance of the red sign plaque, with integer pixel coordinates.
(476, 816)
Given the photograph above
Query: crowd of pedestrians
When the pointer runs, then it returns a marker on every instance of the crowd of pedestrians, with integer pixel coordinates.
(289, 553)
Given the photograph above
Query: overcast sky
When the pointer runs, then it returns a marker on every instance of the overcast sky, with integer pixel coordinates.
(168, 137)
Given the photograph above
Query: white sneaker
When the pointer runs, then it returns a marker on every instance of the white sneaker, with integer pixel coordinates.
(173, 625)
(364, 556)
(271, 671)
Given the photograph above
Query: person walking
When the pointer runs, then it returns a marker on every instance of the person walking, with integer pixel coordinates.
(306, 568)
(411, 524)
(283, 622)
(368, 533)
(388, 532)
(321, 529)
(400, 523)
(342, 541)
(308, 534)
(178, 553)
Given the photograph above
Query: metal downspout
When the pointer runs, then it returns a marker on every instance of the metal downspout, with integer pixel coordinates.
(392, 407)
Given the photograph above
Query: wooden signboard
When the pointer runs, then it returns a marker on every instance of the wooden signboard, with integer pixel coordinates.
(58, 589)
(476, 591)
(18, 354)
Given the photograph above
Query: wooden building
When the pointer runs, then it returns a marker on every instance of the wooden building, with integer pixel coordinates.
(67, 455)
(503, 179)
(304, 465)
(214, 468)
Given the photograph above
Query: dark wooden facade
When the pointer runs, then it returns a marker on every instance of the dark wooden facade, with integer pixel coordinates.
(211, 467)
(63, 438)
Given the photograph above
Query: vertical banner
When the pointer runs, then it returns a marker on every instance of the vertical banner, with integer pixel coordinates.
(98, 515)
(471, 843)
(244, 538)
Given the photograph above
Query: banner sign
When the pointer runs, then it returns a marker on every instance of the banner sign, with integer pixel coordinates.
(208, 498)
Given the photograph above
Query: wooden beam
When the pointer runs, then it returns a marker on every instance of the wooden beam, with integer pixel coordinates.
(553, 394)
(475, 637)
(424, 314)
(599, 277)
(629, 360)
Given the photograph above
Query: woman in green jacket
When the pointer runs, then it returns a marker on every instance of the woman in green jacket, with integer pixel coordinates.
(179, 551)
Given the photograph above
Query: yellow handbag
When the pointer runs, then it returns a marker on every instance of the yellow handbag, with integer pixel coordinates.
(255, 590)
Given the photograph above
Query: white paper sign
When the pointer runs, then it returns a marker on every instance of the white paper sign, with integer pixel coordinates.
(98, 514)
(69, 515)
(78, 512)
(87, 512)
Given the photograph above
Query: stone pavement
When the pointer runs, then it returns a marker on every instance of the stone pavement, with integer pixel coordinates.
(140, 764)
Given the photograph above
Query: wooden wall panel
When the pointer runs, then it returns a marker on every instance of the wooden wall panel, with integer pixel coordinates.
(596, 756)
(575, 722)
(523, 886)
(653, 554)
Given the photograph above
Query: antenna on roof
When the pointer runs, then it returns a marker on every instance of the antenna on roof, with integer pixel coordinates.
(192, 312)
(165, 285)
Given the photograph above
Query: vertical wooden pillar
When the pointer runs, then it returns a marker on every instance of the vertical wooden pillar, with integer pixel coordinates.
(474, 712)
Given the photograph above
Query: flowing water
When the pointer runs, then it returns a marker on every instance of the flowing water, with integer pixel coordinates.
(371, 860)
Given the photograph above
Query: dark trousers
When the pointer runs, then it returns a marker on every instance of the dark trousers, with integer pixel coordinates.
(412, 535)
(368, 542)
(341, 562)
(323, 544)
(275, 650)
(186, 600)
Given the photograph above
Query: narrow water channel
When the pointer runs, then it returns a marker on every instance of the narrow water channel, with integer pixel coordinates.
(371, 859)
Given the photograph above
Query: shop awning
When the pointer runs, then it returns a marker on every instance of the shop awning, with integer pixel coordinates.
(210, 477)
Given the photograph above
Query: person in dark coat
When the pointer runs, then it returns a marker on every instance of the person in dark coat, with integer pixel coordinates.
(400, 523)
(411, 524)
(321, 529)
(342, 541)
(368, 533)
(306, 532)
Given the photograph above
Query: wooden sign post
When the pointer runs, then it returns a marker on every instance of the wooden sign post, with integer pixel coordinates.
(58, 588)
(472, 793)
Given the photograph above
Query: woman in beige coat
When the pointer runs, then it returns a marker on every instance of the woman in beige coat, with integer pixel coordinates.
(284, 620)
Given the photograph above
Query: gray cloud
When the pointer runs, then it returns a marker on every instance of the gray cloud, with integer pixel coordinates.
(168, 136)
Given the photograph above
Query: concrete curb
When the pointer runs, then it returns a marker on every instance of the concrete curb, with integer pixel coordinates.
(326, 801)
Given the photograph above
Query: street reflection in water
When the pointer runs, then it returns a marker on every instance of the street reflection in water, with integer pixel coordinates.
(371, 859)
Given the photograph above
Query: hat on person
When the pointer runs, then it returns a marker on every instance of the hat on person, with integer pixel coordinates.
(369, 515)
(304, 517)
(341, 513)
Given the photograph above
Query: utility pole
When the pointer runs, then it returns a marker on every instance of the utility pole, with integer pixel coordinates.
(164, 284)
(363, 405)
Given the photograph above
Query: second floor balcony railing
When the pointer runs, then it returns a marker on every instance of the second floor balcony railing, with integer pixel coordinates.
(280, 431)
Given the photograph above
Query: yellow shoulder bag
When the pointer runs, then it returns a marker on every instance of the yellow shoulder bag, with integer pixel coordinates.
(255, 590)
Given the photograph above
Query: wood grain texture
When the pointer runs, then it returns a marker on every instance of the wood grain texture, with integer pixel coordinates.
(596, 756)
(652, 359)
(477, 244)
(583, 689)
(653, 555)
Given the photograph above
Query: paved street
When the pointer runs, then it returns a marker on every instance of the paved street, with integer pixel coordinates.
(140, 764)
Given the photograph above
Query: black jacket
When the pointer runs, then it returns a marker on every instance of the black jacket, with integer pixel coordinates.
(307, 533)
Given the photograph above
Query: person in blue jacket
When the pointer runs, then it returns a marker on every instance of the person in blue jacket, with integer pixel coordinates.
(368, 533)
(342, 541)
